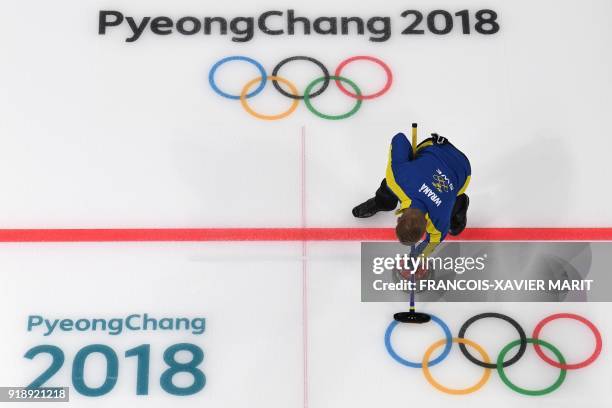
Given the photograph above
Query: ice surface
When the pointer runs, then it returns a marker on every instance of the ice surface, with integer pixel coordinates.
(98, 133)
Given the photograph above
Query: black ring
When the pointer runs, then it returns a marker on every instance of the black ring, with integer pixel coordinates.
(514, 323)
(304, 58)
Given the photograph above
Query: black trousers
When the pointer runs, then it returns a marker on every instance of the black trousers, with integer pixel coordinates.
(386, 200)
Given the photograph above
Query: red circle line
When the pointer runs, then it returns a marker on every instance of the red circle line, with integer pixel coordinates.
(288, 234)
(575, 366)
(366, 58)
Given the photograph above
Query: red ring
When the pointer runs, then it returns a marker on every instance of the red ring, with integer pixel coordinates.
(594, 330)
(367, 58)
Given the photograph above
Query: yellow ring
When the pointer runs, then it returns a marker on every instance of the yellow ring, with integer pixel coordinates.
(483, 380)
(245, 105)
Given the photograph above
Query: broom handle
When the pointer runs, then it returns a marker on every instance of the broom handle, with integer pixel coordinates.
(412, 303)
(413, 275)
(414, 140)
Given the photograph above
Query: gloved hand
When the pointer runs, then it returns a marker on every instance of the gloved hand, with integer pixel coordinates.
(437, 139)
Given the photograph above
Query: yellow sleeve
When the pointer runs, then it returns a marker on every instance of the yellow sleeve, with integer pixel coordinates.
(405, 201)
(465, 185)
(435, 237)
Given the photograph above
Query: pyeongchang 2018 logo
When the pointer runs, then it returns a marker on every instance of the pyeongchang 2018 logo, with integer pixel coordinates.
(286, 88)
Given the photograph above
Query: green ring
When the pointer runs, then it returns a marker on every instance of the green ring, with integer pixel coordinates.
(332, 117)
(506, 380)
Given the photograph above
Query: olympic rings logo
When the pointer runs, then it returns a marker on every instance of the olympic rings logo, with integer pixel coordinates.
(500, 363)
(309, 93)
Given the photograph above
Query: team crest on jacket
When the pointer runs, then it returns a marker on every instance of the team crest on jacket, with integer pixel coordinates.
(441, 182)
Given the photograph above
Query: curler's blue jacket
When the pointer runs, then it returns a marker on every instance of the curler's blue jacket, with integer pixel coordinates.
(430, 182)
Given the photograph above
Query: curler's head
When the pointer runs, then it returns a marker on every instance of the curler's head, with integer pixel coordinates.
(410, 226)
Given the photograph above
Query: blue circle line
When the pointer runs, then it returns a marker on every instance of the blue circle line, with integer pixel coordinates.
(401, 360)
(213, 70)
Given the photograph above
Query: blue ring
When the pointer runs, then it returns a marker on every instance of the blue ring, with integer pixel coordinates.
(399, 359)
(213, 70)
